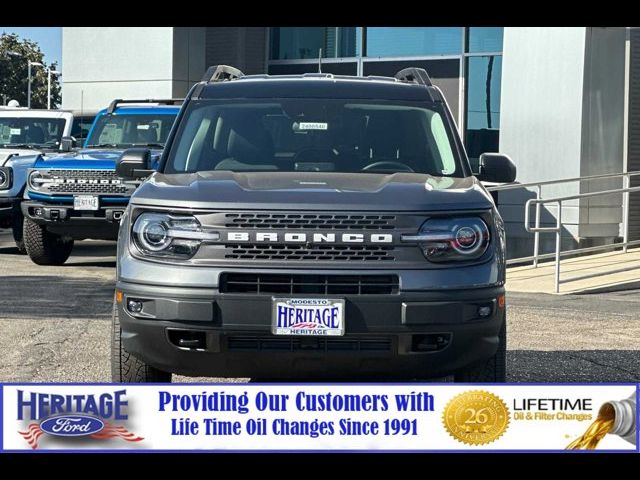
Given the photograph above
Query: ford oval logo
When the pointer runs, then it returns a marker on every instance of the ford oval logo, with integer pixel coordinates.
(72, 425)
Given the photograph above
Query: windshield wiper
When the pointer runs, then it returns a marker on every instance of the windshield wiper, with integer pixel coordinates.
(19, 145)
(103, 145)
(151, 144)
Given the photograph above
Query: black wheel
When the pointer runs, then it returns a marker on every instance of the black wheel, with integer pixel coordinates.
(44, 247)
(492, 370)
(125, 368)
(18, 221)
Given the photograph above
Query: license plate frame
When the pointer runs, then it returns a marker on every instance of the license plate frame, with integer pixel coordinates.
(86, 203)
(314, 325)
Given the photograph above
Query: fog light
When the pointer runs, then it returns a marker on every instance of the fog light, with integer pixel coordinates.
(484, 311)
(134, 306)
(39, 212)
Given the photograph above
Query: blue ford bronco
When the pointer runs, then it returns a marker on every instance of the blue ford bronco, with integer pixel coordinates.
(77, 195)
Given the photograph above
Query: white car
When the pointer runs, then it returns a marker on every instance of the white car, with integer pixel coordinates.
(24, 135)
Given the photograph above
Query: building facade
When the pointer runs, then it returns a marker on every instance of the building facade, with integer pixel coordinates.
(554, 99)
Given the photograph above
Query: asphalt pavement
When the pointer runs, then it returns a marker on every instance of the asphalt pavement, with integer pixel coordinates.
(55, 324)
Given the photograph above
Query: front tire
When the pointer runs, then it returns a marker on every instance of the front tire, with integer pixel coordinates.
(125, 368)
(492, 370)
(44, 247)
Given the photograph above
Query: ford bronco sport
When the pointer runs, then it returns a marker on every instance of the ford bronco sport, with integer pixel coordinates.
(308, 226)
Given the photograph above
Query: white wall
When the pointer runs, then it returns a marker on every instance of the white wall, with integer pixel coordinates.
(541, 114)
(103, 63)
(603, 129)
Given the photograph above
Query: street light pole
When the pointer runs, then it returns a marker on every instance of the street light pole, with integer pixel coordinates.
(49, 72)
(29, 63)
(29, 84)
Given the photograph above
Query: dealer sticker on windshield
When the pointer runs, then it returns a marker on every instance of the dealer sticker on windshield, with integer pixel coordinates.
(308, 316)
(313, 126)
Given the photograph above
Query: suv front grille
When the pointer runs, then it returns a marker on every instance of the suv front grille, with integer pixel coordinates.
(89, 188)
(323, 221)
(271, 283)
(294, 344)
(313, 252)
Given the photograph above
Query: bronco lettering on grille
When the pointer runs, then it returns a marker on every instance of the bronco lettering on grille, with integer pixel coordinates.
(86, 181)
(301, 237)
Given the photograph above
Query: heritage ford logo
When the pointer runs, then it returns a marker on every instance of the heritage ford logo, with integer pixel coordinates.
(72, 425)
(74, 415)
(299, 237)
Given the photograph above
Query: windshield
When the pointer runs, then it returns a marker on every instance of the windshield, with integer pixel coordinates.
(31, 132)
(123, 131)
(311, 134)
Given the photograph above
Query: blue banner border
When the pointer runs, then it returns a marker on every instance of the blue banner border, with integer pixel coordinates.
(361, 451)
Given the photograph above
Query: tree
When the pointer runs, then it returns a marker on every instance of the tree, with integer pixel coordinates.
(13, 73)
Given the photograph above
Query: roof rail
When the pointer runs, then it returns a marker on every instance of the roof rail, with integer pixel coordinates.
(163, 101)
(317, 75)
(414, 75)
(221, 73)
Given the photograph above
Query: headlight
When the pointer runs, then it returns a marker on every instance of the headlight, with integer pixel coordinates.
(37, 179)
(167, 235)
(5, 178)
(452, 239)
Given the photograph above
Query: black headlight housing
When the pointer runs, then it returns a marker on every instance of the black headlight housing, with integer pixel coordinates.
(6, 178)
(452, 239)
(168, 235)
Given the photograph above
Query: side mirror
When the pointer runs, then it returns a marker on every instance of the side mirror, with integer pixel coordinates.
(497, 168)
(67, 144)
(134, 163)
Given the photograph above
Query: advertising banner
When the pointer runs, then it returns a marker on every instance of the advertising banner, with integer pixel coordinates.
(318, 417)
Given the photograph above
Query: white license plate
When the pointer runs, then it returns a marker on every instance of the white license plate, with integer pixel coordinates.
(308, 316)
(85, 202)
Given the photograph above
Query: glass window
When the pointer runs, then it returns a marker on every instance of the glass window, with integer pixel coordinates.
(485, 39)
(483, 106)
(131, 130)
(293, 43)
(81, 126)
(413, 41)
(314, 135)
(31, 132)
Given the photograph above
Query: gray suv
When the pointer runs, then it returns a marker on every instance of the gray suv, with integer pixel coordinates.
(306, 226)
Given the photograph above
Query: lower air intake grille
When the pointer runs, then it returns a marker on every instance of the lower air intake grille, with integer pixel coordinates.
(294, 344)
(267, 283)
(368, 253)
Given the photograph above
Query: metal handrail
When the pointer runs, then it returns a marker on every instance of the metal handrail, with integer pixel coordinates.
(557, 229)
(513, 186)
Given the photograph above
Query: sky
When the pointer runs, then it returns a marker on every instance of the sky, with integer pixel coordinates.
(49, 39)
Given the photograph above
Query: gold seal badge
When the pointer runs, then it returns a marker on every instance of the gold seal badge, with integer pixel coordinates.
(476, 417)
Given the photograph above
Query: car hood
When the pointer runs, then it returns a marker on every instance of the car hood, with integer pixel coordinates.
(313, 191)
(87, 159)
(6, 153)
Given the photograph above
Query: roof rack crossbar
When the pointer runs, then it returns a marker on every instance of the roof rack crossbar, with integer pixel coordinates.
(414, 75)
(162, 101)
(221, 73)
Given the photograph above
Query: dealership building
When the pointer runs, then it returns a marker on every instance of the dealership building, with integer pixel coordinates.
(562, 102)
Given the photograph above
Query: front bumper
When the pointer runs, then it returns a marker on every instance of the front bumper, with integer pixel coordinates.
(202, 332)
(7, 208)
(64, 220)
